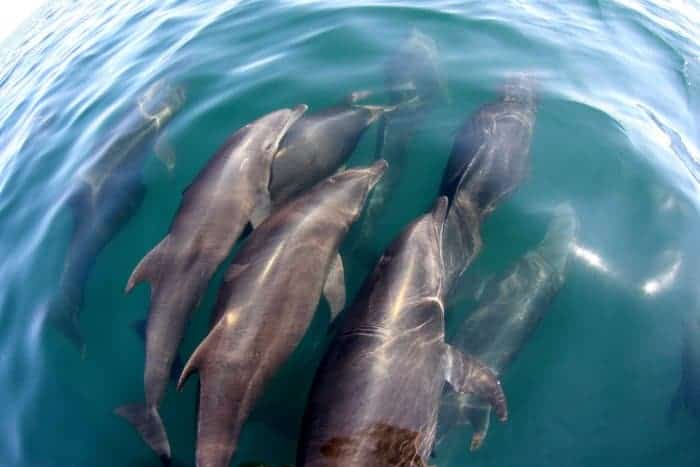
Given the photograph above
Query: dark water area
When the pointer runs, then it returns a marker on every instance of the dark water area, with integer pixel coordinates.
(616, 136)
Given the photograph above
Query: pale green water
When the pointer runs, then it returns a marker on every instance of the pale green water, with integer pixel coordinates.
(617, 135)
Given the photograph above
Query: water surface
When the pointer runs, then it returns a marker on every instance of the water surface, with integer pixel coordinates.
(617, 136)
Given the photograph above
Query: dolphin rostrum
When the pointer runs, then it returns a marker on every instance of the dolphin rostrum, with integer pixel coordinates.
(267, 301)
(229, 192)
(375, 397)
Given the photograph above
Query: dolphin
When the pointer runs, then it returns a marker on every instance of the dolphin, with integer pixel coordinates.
(489, 159)
(267, 301)
(415, 82)
(106, 193)
(688, 392)
(318, 144)
(230, 191)
(511, 309)
(375, 397)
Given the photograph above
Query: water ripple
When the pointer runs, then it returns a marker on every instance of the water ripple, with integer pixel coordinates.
(618, 135)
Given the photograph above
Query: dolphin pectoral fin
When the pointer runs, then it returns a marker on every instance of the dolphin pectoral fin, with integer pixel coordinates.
(148, 267)
(165, 151)
(479, 419)
(148, 423)
(468, 375)
(334, 288)
(262, 209)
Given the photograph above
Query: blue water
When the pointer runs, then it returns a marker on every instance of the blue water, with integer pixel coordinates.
(617, 135)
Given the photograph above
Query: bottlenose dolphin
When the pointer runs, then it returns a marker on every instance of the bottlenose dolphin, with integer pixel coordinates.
(415, 82)
(106, 192)
(266, 302)
(318, 144)
(489, 159)
(375, 397)
(511, 309)
(688, 392)
(230, 191)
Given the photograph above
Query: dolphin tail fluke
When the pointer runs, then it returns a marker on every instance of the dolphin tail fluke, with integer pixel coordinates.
(148, 268)
(468, 375)
(148, 423)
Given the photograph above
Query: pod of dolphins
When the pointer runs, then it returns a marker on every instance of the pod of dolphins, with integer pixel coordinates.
(379, 397)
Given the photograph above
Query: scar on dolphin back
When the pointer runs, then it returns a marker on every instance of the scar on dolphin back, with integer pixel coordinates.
(388, 445)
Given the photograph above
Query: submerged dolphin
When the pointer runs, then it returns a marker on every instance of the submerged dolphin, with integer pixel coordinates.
(415, 81)
(376, 394)
(489, 159)
(688, 392)
(511, 309)
(267, 301)
(227, 193)
(317, 145)
(106, 193)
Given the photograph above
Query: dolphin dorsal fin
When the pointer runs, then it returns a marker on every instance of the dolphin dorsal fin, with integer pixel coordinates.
(149, 267)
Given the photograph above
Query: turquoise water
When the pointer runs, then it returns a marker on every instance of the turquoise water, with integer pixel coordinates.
(617, 135)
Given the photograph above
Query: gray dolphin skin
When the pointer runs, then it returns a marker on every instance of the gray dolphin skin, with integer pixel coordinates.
(375, 397)
(215, 208)
(414, 80)
(106, 194)
(688, 393)
(267, 301)
(317, 145)
(489, 159)
(511, 309)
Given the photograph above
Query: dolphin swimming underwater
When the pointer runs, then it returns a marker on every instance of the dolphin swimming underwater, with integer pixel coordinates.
(415, 82)
(489, 159)
(318, 144)
(230, 191)
(511, 308)
(375, 397)
(267, 301)
(106, 193)
(688, 392)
